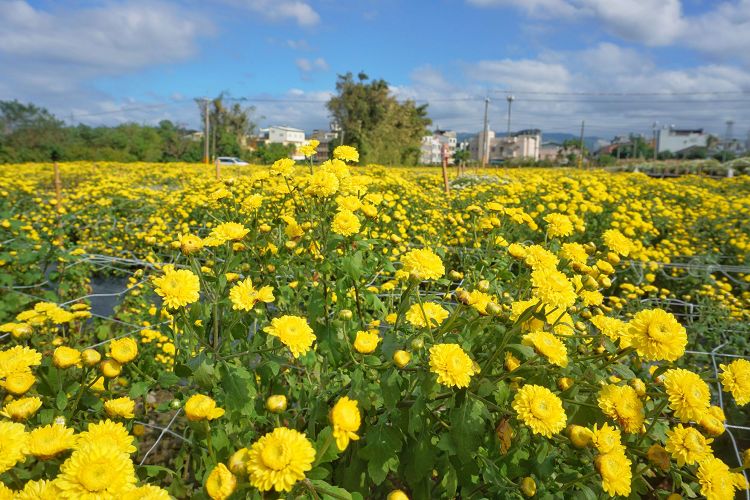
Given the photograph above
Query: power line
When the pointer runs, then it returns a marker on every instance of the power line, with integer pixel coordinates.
(594, 93)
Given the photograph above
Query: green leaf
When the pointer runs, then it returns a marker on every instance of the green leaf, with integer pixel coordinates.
(139, 389)
(61, 401)
(467, 427)
(352, 265)
(390, 388)
(168, 380)
(205, 376)
(381, 451)
(318, 473)
(420, 459)
(328, 491)
(524, 350)
(623, 371)
(325, 447)
(239, 386)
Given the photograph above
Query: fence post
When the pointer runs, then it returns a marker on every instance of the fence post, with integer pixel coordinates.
(58, 185)
(445, 168)
(218, 170)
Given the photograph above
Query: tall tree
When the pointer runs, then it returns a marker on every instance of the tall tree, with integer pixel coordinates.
(229, 124)
(372, 120)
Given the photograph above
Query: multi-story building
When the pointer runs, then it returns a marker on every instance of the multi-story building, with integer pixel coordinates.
(524, 144)
(283, 135)
(327, 139)
(431, 148)
(675, 140)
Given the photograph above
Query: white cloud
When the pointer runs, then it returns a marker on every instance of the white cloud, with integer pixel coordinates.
(109, 39)
(281, 10)
(527, 74)
(723, 31)
(308, 66)
(652, 22)
(536, 8)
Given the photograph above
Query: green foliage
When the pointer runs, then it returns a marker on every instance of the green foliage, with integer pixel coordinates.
(372, 120)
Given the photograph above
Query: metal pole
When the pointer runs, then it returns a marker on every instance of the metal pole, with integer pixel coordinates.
(510, 102)
(580, 146)
(485, 138)
(205, 134)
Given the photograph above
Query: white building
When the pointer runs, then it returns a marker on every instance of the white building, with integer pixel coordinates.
(284, 135)
(675, 140)
(524, 144)
(431, 148)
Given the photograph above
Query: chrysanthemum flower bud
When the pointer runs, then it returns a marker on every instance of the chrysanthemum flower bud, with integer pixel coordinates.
(345, 314)
(528, 486)
(401, 358)
(276, 403)
(463, 296)
(90, 357)
(579, 436)
(564, 383)
(483, 286)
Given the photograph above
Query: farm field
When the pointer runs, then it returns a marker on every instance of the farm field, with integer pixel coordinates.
(346, 331)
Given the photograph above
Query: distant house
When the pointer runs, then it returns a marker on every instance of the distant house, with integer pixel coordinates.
(327, 139)
(676, 140)
(283, 135)
(524, 144)
(550, 151)
(431, 147)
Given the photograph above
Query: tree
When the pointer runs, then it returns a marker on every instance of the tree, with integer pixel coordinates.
(229, 125)
(29, 133)
(373, 121)
(269, 153)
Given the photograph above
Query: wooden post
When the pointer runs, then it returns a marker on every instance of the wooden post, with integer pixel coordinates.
(218, 170)
(58, 185)
(445, 168)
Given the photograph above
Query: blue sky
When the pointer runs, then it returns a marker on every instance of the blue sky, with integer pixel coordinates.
(123, 60)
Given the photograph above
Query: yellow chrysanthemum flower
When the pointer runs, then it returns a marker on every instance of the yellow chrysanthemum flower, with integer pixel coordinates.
(615, 329)
(322, 184)
(146, 492)
(65, 357)
(689, 395)
(452, 365)
(283, 167)
(366, 342)
(308, 149)
(229, 231)
(345, 419)
(618, 242)
(538, 257)
(294, 332)
(178, 288)
(38, 490)
(687, 445)
(549, 346)
(735, 378)
(244, 296)
(13, 441)
(558, 225)
(252, 202)
(346, 153)
(717, 481)
(200, 407)
(423, 264)
(220, 483)
(621, 403)
(607, 439)
(123, 350)
(540, 409)
(345, 223)
(190, 244)
(553, 288)
(22, 409)
(433, 315)
(614, 468)
(279, 459)
(123, 407)
(657, 336)
(96, 472)
(48, 441)
(106, 432)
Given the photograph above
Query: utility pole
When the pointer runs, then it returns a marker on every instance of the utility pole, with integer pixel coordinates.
(205, 133)
(510, 102)
(485, 134)
(727, 138)
(580, 146)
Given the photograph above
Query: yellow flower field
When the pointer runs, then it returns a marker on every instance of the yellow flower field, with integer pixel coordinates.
(346, 331)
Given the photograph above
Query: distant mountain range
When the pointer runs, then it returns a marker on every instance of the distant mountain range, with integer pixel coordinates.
(592, 142)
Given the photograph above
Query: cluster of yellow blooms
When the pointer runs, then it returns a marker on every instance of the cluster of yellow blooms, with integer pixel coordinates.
(559, 319)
